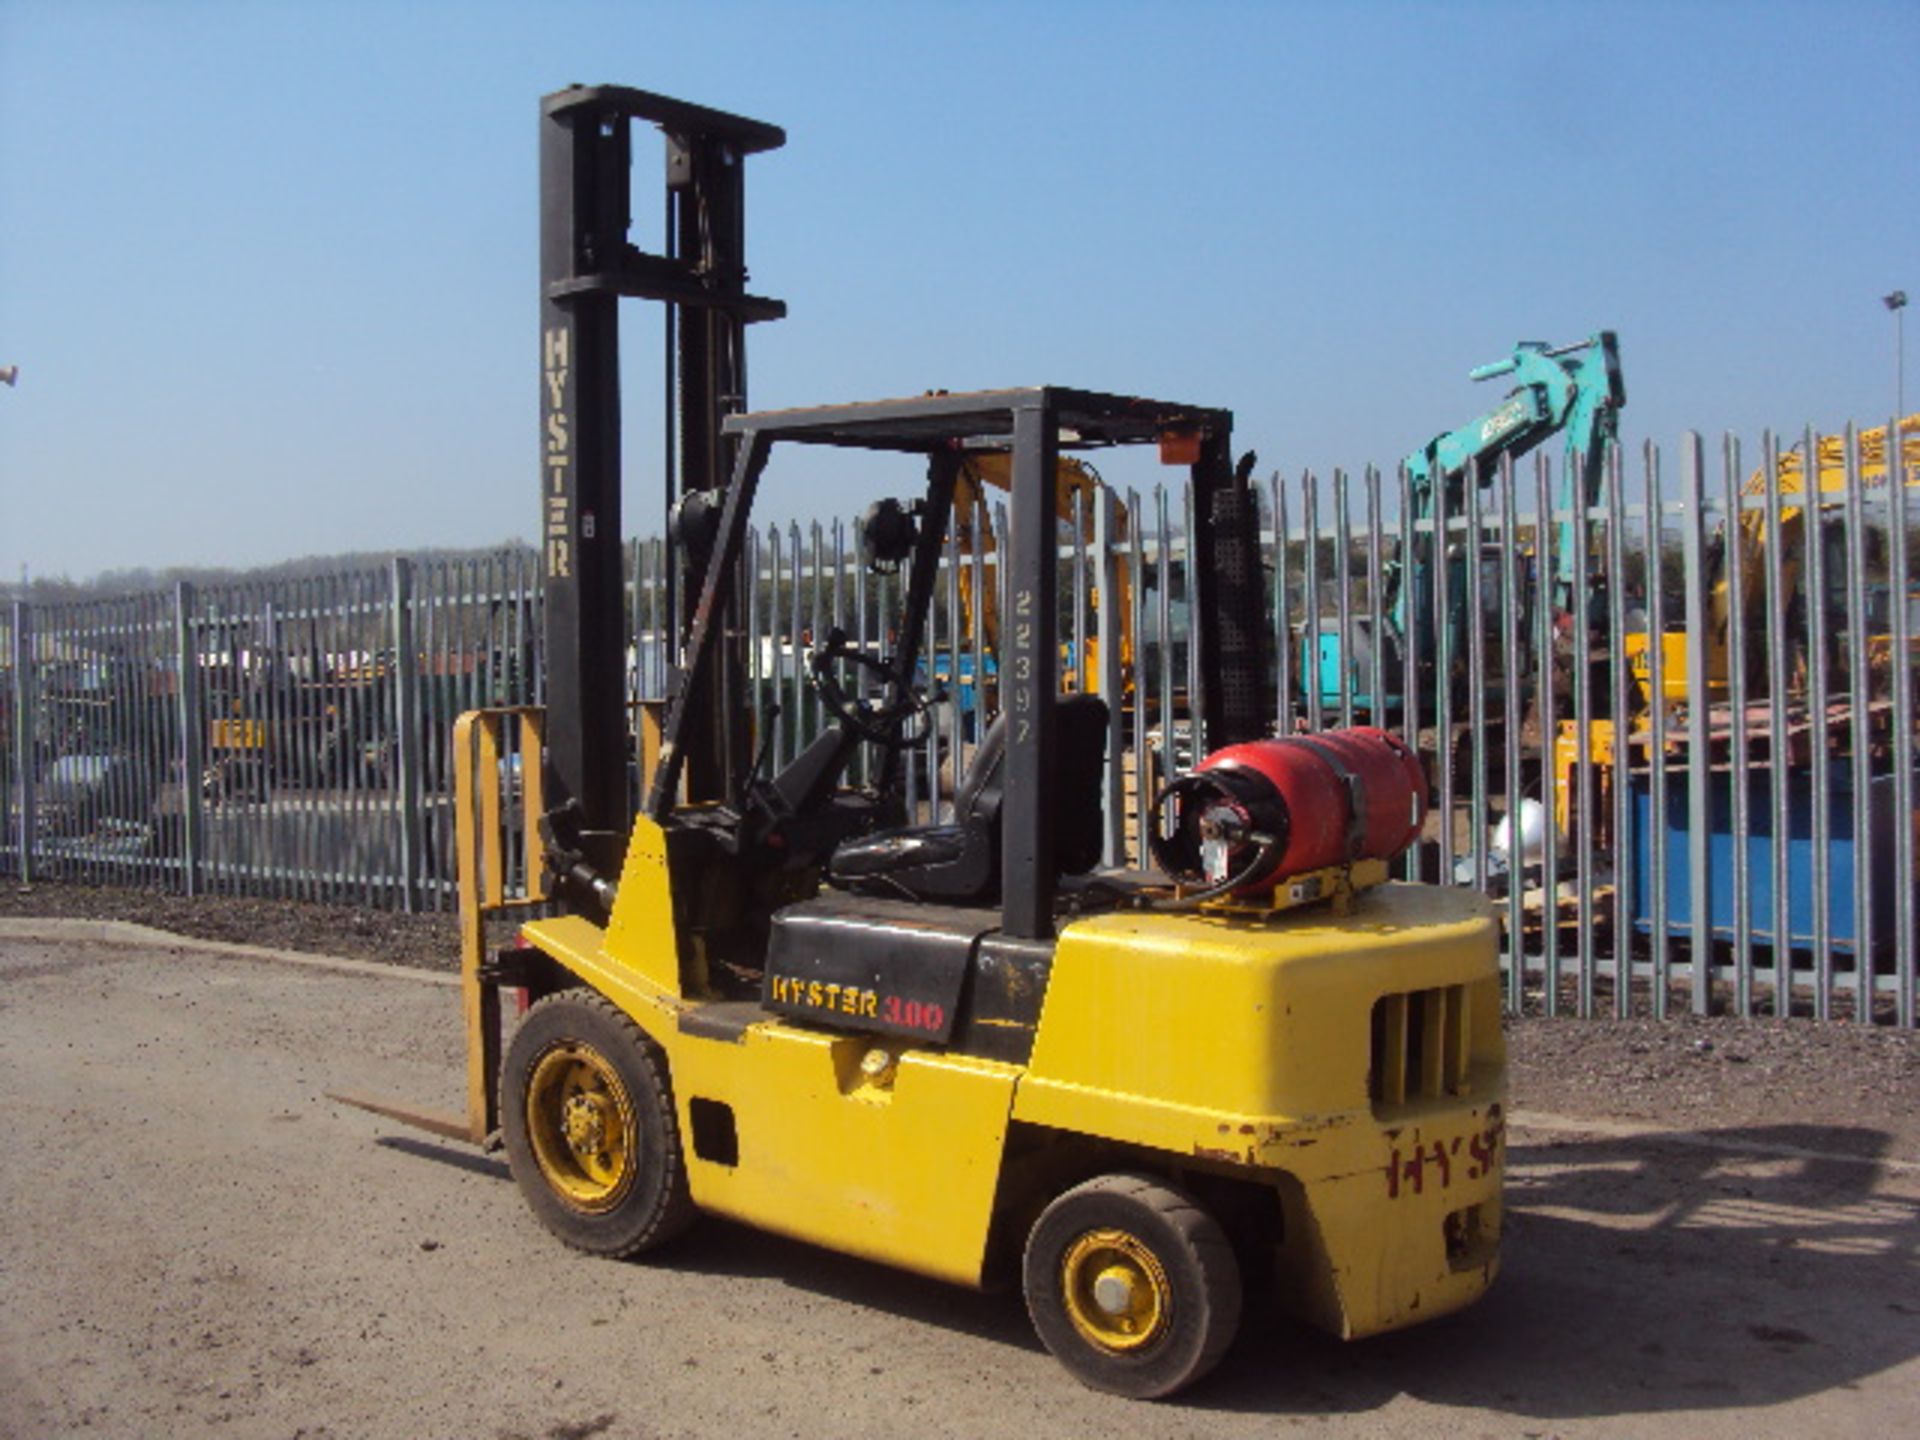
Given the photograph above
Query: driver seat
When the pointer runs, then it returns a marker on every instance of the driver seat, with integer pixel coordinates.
(960, 862)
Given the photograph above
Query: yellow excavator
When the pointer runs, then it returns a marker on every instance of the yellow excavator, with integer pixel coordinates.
(1077, 492)
(955, 1049)
(1743, 544)
(1747, 540)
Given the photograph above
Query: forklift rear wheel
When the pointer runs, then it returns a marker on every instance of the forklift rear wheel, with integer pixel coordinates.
(1132, 1286)
(587, 1115)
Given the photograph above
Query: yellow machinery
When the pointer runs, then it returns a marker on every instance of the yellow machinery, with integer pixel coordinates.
(1076, 493)
(1749, 538)
(955, 1048)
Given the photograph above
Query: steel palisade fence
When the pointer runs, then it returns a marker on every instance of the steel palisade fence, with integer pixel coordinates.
(291, 738)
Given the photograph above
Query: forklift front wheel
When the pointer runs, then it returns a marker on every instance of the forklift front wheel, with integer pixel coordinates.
(1132, 1286)
(587, 1115)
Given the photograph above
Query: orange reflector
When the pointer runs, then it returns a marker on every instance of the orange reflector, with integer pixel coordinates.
(1179, 447)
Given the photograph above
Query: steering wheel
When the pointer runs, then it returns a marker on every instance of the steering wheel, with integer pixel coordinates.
(878, 722)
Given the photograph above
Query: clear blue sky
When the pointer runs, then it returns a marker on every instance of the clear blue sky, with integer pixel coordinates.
(269, 269)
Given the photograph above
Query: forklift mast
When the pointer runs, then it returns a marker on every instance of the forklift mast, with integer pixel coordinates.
(586, 265)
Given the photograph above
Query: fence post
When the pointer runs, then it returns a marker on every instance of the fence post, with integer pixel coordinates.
(1693, 544)
(1907, 981)
(406, 721)
(187, 700)
(1110, 683)
(23, 703)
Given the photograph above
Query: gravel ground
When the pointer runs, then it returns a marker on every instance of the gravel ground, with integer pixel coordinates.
(423, 942)
(1846, 1086)
(1850, 1087)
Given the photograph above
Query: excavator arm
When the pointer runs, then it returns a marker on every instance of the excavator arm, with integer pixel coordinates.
(1577, 388)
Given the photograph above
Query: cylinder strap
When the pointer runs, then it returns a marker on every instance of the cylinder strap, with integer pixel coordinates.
(1356, 788)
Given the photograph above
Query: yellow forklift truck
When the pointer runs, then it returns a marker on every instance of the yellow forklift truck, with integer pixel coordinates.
(959, 1049)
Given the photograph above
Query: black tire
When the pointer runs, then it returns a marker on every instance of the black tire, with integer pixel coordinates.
(1171, 1298)
(586, 1111)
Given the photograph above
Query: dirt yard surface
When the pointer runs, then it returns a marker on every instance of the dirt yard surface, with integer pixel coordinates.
(196, 1242)
(1857, 1086)
(426, 942)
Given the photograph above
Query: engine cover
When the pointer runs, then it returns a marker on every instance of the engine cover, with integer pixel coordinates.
(883, 967)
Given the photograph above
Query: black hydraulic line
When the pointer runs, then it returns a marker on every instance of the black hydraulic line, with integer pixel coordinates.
(686, 707)
(943, 474)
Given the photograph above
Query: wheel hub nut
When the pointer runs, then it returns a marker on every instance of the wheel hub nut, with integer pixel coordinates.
(1113, 1291)
(582, 1121)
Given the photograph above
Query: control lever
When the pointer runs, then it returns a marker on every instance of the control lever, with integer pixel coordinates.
(569, 864)
(759, 766)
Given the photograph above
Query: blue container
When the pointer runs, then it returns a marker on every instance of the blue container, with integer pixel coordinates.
(1843, 925)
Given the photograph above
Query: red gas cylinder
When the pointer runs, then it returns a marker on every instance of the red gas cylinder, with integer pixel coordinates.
(1251, 815)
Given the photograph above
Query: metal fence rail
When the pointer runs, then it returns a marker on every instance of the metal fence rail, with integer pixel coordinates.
(1689, 779)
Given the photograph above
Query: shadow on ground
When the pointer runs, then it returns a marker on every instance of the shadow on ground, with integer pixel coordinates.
(1640, 1276)
(471, 1161)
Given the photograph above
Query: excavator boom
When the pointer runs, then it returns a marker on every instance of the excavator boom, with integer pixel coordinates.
(1577, 389)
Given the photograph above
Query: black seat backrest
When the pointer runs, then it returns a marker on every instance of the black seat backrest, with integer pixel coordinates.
(980, 787)
(960, 862)
(1080, 772)
(1079, 768)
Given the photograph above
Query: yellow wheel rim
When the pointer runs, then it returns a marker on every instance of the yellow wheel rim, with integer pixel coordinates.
(1115, 1290)
(582, 1128)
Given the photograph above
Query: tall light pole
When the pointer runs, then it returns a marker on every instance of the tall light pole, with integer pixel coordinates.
(1897, 303)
